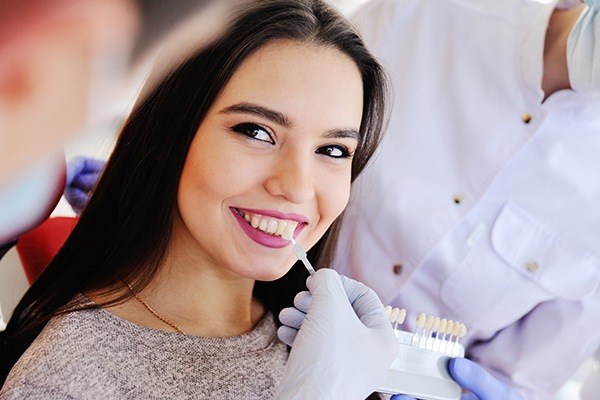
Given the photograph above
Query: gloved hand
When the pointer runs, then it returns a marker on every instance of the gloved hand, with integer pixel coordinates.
(82, 174)
(342, 342)
(481, 385)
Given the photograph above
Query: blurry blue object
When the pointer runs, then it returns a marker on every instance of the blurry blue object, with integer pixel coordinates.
(29, 197)
(480, 383)
(82, 175)
(477, 380)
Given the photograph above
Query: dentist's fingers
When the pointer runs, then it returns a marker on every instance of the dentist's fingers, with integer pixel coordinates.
(302, 301)
(292, 317)
(365, 303)
(287, 335)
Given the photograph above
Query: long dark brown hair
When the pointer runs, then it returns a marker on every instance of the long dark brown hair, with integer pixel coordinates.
(125, 229)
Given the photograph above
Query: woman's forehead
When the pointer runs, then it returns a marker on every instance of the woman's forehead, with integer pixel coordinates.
(299, 79)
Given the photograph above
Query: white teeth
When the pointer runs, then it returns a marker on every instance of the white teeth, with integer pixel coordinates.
(272, 226)
(280, 227)
(263, 225)
(288, 231)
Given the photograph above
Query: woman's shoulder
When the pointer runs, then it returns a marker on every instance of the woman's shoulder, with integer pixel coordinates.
(63, 352)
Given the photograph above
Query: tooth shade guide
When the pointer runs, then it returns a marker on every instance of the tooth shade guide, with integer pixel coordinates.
(401, 316)
(420, 369)
(436, 325)
(394, 314)
(432, 333)
(421, 320)
(388, 310)
(429, 322)
(442, 328)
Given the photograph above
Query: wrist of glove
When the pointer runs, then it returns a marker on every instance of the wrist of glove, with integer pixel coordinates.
(342, 342)
(480, 383)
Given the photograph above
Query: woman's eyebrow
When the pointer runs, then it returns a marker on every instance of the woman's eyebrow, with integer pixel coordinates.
(342, 134)
(255, 109)
(283, 120)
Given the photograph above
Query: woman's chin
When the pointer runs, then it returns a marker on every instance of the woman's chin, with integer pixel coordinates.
(272, 274)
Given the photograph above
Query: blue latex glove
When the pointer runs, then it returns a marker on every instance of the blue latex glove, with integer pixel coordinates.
(342, 342)
(481, 385)
(82, 175)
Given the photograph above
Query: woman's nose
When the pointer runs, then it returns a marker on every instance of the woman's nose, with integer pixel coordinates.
(292, 177)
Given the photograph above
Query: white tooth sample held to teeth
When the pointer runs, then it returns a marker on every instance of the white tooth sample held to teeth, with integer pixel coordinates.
(301, 254)
(285, 229)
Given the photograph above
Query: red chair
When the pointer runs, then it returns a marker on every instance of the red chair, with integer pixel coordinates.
(37, 247)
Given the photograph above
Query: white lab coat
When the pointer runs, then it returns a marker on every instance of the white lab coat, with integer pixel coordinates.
(483, 205)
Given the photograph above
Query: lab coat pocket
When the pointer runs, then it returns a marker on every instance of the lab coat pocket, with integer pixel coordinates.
(539, 253)
(524, 264)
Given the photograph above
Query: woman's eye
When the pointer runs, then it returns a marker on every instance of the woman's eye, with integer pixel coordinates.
(254, 131)
(334, 151)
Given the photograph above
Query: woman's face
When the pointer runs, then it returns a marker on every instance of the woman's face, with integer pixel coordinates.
(274, 153)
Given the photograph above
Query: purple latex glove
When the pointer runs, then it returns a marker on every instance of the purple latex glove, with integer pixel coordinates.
(479, 382)
(82, 175)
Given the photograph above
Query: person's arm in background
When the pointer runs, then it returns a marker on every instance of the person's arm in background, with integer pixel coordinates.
(583, 51)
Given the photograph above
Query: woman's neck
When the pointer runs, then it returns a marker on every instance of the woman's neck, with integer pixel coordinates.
(201, 300)
(203, 303)
(556, 73)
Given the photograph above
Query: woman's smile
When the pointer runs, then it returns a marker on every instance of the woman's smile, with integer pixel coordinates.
(270, 228)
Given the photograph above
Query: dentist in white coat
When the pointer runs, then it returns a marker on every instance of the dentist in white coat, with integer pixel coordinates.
(484, 203)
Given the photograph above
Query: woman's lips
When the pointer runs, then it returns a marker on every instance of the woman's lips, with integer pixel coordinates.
(274, 239)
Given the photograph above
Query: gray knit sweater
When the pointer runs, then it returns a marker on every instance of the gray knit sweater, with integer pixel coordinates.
(93, 354)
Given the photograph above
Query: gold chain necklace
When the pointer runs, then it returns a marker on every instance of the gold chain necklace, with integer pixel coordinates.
(157, 315)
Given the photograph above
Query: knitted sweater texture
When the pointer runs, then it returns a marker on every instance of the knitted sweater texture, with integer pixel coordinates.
(93, 354)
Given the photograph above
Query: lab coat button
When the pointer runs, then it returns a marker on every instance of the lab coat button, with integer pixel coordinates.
(397, 269)
(526, 117)
(457, 199)
(532, 267)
